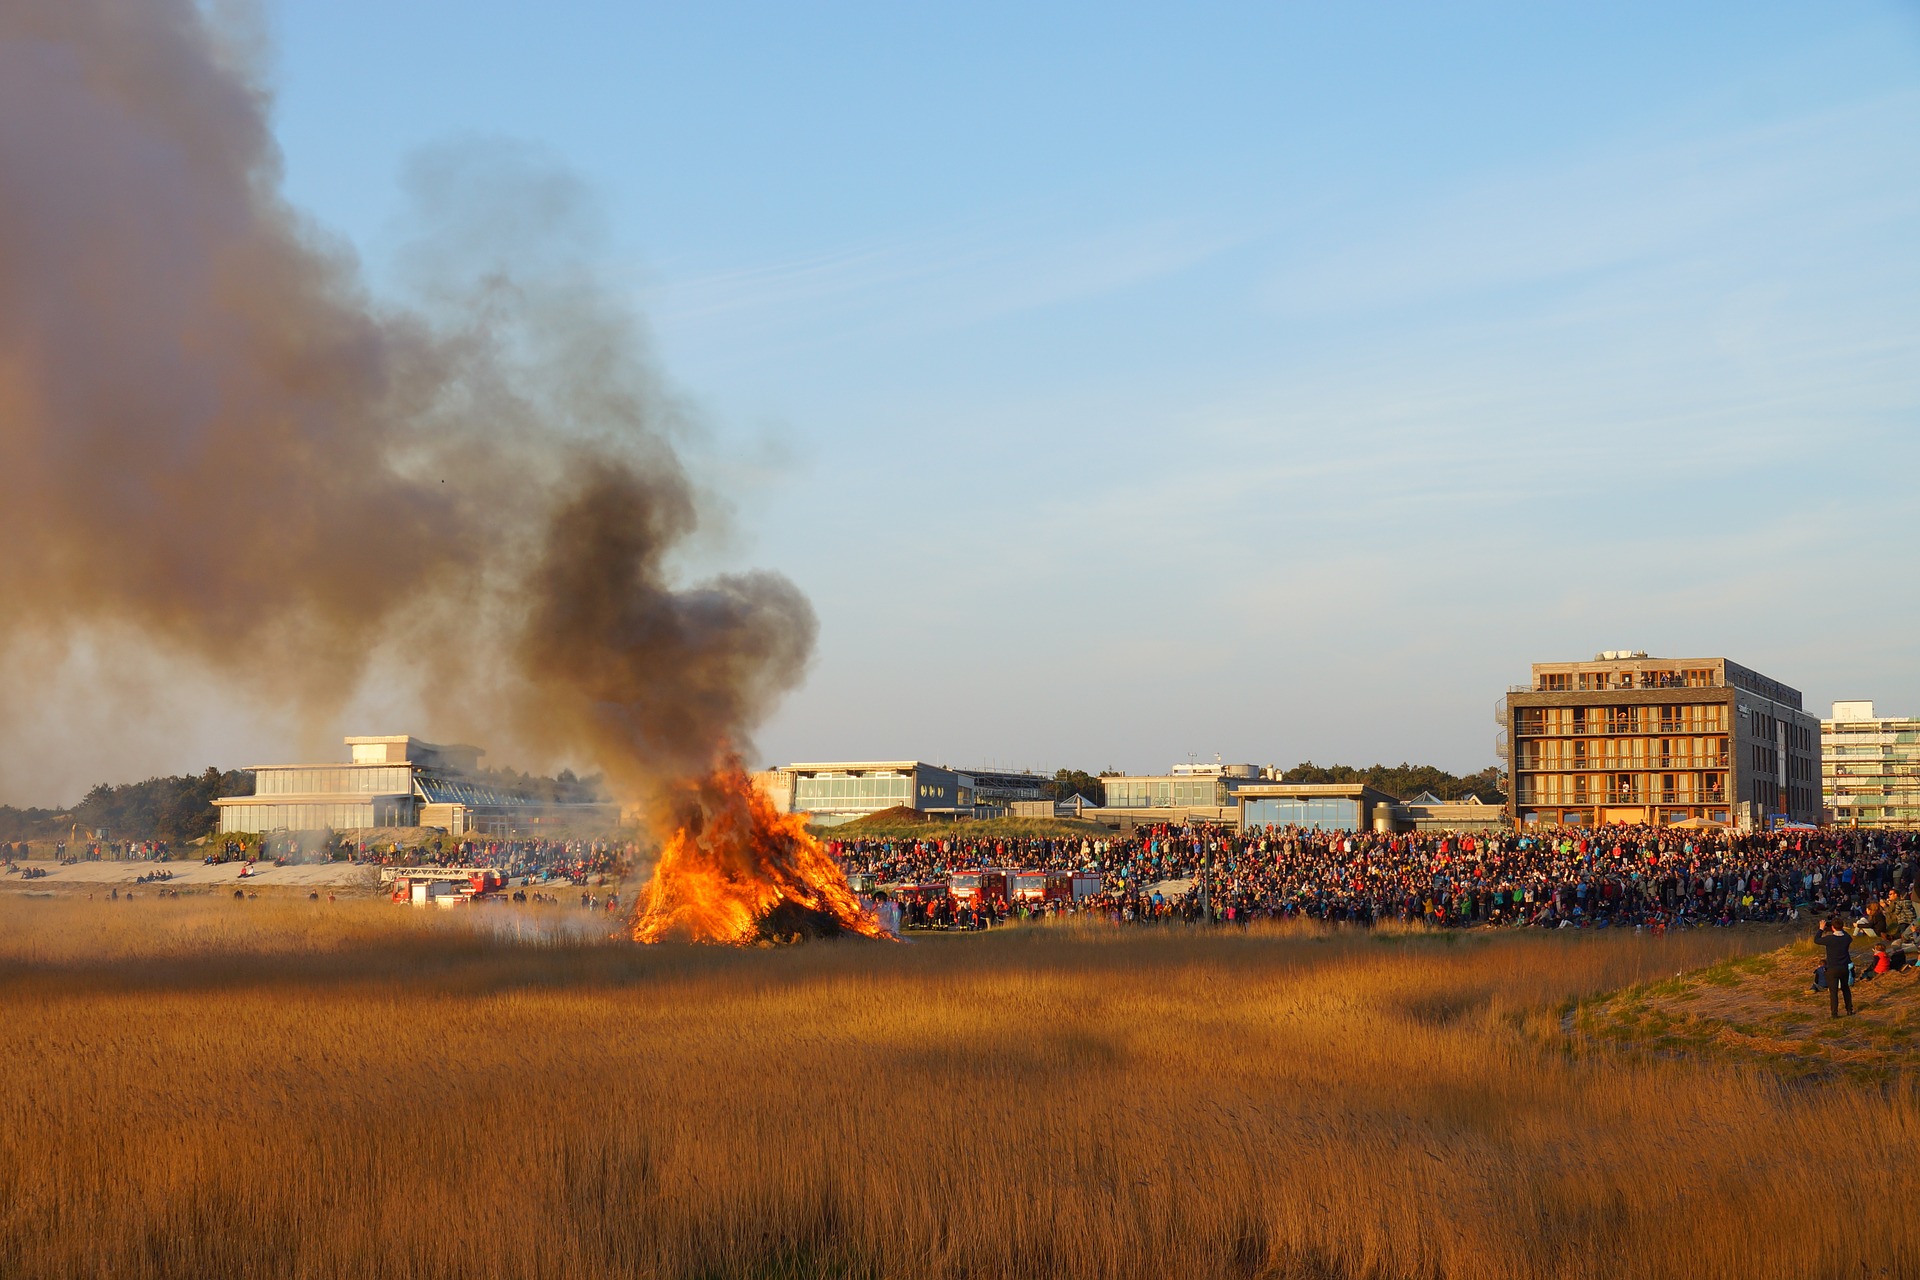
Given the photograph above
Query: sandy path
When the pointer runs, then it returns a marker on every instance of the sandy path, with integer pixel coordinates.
(319, 875)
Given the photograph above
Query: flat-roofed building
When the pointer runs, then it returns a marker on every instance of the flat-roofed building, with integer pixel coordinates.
(393, 780)
(1314, 806)
(1870, 767)
(1001, 789)
(1628, 738)
(1202, 789)
(1428, 812)
(839, 791)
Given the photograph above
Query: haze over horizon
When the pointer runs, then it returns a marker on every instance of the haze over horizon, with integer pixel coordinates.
(1125, 386)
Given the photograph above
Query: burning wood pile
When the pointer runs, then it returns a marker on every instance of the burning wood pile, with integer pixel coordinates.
(735, 870)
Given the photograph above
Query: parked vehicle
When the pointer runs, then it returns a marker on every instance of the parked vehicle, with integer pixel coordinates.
(976, 888)
(424, 886)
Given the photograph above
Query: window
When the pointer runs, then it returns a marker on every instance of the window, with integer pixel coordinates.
(1317, 814)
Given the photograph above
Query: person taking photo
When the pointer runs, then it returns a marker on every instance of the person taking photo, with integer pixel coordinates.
(1838, 944)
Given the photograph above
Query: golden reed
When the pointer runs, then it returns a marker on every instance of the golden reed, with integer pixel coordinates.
(207, 1088)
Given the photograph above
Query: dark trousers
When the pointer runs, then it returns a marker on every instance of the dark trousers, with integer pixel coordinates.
(1839, 979)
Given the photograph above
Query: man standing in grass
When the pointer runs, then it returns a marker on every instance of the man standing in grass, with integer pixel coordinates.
(1838, 945)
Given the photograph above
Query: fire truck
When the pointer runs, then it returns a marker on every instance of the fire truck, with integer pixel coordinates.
(977, 887)
(1043, 886)
(443, 886)
(1055, 886)
(921, 893)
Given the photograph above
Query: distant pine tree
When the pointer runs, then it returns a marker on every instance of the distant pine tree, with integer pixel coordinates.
(1404, 781)
(175, 809)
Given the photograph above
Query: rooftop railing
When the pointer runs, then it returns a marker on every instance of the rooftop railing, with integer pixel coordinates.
(1638, 684)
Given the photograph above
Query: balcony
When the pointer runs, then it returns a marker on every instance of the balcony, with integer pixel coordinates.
(1527, 729)
(1595, 764)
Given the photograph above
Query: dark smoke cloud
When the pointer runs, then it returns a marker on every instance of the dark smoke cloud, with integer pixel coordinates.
(214, 438)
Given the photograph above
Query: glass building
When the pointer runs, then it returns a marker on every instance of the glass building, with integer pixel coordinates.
(1870, 767)
(840, 791)
(1314, 806)
(390, 781)
(1185, 786)
(1315, 814)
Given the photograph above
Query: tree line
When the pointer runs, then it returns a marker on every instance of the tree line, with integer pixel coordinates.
(180, 809)
(176, 809)
(1401, 781)
(1405, 781)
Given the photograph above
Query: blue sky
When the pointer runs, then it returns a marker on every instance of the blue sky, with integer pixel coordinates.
(1277, 381)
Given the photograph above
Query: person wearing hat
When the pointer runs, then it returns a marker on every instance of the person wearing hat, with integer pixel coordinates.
(1838, 944)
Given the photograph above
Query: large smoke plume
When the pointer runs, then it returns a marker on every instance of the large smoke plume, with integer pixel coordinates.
(214, 438)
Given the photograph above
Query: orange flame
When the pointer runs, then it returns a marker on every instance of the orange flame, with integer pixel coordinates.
(733, 862)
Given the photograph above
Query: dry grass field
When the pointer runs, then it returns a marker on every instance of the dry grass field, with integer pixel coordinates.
(199, 1087)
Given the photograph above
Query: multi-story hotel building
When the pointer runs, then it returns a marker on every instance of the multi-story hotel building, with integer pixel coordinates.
(1870, 767)
(1629, 738)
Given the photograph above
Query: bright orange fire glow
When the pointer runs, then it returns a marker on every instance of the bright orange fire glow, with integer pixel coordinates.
(736, 869)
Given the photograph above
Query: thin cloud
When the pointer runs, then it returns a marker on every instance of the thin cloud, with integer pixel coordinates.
(1624, 208)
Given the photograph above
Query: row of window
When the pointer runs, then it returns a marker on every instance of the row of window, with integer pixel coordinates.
(1766, 762)
(332, 816)
(869, 788)
(1553, 816)
(1590, 721)
(1147, 793)
(1800, 737)
(1671, 753)
(1591, 681)
(1623, 788)
(877, 792)
(1316, 814)
(344, 779)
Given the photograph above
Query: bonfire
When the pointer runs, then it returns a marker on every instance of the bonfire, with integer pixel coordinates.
(736, 870)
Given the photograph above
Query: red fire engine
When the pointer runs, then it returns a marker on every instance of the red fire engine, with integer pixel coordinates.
(1043, 886)
(978, 887)
(424, 885)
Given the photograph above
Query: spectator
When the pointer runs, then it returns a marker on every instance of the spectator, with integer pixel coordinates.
(1838, 945)
(1645, 877)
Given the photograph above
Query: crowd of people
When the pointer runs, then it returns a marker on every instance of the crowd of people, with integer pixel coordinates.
(1652, 877)
(1647, 877)
(145, 850)
(573, 861)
